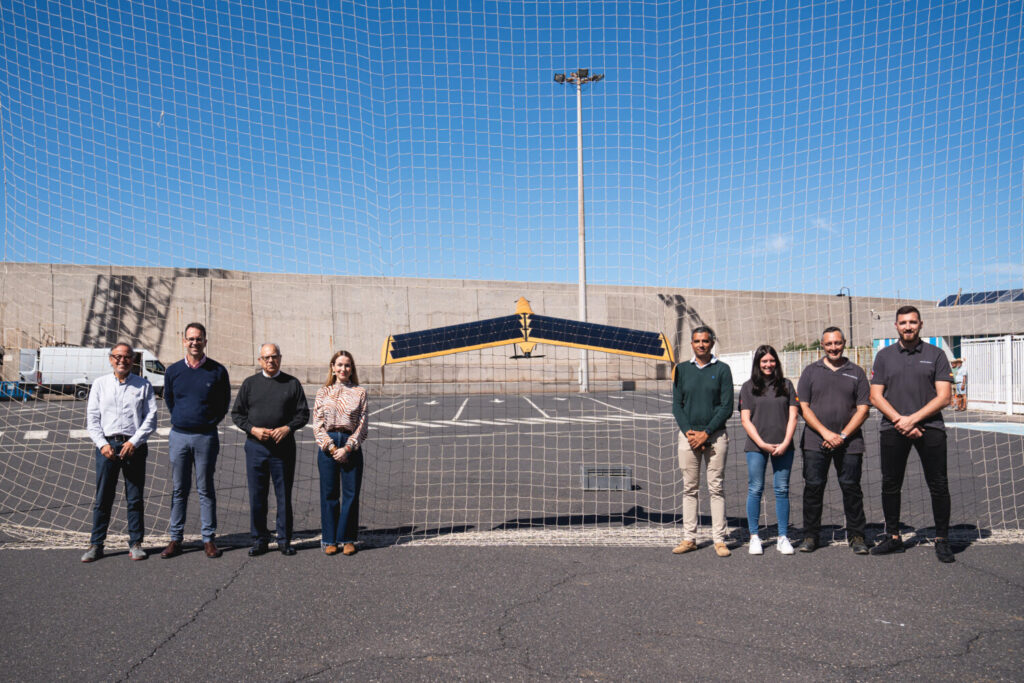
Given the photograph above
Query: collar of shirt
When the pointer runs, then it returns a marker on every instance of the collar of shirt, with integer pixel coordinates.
(825, 364)
(915, 349)
(188, 362)
(714, 359)
(270, 376)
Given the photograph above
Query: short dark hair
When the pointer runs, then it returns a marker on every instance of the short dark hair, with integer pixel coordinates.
(702, 329)
(198, 326)
(907, 310)
(832, 328)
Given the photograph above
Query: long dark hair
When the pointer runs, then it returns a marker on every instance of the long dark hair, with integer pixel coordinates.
(331, 379)
(757, 377)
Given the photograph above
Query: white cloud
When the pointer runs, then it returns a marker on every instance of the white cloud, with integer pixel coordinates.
(779, 243)
(1004, 268)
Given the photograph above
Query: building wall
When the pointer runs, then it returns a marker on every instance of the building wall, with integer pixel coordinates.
(310, 316)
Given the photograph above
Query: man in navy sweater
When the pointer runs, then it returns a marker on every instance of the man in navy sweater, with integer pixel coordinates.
(270, 407)
(198, 394)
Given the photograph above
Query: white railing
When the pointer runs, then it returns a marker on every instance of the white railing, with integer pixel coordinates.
(995, 373)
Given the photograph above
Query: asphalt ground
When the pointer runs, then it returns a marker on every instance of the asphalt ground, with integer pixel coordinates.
(515, 613)
(448, 465)
(407, 607)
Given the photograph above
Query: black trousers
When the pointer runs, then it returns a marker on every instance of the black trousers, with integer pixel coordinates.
(931, 448)
(848, 468)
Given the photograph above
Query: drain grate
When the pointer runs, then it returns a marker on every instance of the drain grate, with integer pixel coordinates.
(602, 478)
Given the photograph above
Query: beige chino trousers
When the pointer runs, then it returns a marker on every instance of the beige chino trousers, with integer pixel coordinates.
(713, 453)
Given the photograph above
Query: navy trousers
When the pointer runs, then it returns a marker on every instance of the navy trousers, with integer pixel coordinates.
(265, 464)
(107, 471)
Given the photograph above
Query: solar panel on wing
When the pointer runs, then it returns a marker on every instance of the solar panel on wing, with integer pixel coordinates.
(507, 329)
(594, 336)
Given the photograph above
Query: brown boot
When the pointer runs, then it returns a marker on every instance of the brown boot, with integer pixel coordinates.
(173, 549)
(212, 551)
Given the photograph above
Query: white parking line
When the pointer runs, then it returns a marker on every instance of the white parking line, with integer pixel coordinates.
(423, 424)
(79, 434)
(459, 411)
(536, 407)
(378, 423)
(163, 431)
(380, 410)
(609, 405)
(37, 434)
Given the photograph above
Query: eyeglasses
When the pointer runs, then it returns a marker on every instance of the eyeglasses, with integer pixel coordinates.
(276, 356)
(195, 340)
(119, 358)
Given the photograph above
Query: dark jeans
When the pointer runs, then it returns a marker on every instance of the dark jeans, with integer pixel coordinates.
(134, 469)
(931, 448)
(848, 467)
(339, 519)
(264, 464)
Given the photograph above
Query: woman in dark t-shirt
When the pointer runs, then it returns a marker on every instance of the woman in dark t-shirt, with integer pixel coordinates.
(768, 410)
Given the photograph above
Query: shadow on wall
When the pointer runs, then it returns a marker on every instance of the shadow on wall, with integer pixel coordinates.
(134, 309)
(686, 318)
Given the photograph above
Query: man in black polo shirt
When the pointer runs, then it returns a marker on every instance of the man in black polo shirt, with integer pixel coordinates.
(834, 400)
(270, 407)
(910, 385)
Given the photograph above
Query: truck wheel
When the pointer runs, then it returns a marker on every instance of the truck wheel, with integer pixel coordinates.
(81, 392)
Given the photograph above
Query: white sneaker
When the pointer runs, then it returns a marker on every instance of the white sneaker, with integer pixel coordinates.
(784, 546)
(755, 545)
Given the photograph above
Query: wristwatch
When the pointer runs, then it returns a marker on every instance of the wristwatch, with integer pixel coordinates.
(843, 435)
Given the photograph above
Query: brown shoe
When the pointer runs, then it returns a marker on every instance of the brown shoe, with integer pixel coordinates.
(349, 549)
(685, 547)
(330, 550)
(212, 551)
(722, 550)
(173, 549)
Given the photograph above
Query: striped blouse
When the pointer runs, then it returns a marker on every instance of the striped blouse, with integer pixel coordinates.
(339, 408)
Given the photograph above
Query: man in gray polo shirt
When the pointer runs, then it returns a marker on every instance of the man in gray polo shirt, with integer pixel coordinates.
(834, 400)
(910, 385)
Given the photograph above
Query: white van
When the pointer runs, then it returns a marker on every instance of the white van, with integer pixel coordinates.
(72, 369)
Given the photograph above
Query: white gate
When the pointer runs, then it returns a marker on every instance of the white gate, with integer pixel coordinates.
(995, 373)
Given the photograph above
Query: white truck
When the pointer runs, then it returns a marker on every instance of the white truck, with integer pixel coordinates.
(71, 369)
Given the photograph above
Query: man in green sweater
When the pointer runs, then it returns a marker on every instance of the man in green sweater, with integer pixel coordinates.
(701, 402)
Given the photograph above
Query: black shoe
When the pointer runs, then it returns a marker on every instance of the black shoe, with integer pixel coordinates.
(809, 544)
(286, 548)
(943, 551)
(858, 546)
(258, 548)
(889, 545)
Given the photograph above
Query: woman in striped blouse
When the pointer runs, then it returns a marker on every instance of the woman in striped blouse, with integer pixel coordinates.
(339, 425)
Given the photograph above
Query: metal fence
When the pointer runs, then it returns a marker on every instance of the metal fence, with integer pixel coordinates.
(995, 373)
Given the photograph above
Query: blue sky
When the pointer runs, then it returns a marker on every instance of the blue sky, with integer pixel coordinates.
(796, 146)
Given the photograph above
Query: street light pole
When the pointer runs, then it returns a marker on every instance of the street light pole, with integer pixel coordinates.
(579, 77)
(849, 306)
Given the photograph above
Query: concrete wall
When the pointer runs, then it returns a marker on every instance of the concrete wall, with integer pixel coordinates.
(310, 316)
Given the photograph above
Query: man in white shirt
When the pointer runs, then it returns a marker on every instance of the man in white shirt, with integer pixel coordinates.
(120, 418)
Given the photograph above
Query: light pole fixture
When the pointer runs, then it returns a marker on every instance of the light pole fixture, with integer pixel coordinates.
(849, 306)
(579, 77)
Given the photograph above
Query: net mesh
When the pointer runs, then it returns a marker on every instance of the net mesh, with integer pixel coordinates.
(325, 174)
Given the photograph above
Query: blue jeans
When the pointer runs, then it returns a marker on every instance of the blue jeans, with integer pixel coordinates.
(185, 451)
(264, 465)
(134, 469)
(339, 519)
(757, 462)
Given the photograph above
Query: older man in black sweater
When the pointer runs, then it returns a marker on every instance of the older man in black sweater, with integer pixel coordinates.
(269, 408)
